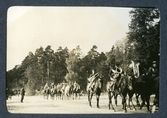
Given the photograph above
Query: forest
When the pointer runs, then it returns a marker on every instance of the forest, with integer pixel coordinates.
(142, 44)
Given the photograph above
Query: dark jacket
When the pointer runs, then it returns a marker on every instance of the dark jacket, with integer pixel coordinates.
(22, 91)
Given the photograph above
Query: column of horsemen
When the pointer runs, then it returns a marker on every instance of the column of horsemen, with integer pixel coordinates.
(135, 80)
(62, 90)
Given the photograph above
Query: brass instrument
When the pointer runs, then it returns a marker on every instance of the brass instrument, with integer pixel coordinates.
(91, 80)
(135, 69)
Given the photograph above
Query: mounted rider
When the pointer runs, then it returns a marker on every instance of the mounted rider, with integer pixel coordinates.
(76, 86)
(114, 73)
(153, 71)
(46, 87)
(91, 80)
(63, 86)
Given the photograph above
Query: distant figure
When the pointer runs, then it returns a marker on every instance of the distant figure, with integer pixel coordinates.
(22, 92)
(153, 71)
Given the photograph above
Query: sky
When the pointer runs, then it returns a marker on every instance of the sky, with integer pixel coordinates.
(29, 28)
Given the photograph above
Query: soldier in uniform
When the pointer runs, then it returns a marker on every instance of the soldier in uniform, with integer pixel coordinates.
(114, 73)
(91, 79)
(153, 71)
(46, 86)
(76, 86)
(22, 94)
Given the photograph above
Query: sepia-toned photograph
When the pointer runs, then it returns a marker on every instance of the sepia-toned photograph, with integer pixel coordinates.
(82, 60)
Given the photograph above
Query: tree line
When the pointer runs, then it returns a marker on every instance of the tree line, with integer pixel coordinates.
(46, 65)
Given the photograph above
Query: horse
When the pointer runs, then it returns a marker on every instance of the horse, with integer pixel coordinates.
(127, 88)
(60, 90)
(76, 91)
(94, 87)
(112, 88)
(123, 86)
(156, 91)
(68, 91)
(53, 91)
(46, 93)
(149, 87)
(9, 93)
(111, 94)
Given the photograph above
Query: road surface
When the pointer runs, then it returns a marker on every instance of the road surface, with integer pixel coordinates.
(39, 105)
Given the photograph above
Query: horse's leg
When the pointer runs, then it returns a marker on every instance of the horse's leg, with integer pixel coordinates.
(98, 92)
(130, 100)
(110, 96)
(44, 95)
(78, 94)
(148, 102)
(115, 98)
(75, 95)
(123, 95)
(91, 95)
(137, 99)
(124, 103)
(143, 98)
(156, 100)
(97, 98)
(47, 96)
(90, 98)
(61, 95)
(156, 103)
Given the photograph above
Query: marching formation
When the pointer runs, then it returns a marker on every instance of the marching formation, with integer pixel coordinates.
(61, 90)
(133, 81)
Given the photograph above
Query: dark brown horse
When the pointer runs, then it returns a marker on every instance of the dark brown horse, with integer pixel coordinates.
(123, 87)
(148, 86)
(94, 88)
(127, 89)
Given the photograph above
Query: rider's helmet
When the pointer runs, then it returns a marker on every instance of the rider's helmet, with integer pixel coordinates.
(154, 64)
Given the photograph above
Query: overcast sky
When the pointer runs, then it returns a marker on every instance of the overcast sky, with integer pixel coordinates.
(28, 28)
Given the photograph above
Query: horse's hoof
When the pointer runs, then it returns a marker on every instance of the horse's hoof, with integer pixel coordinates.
(138, 104)
(153, 109)
(131, 108)
(149, 111)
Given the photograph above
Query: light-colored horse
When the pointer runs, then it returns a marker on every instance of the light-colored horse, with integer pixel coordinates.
(76, 91)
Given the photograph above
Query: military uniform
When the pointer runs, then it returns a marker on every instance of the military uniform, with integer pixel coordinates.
(114, 74)
(22, 94)
(153, 71)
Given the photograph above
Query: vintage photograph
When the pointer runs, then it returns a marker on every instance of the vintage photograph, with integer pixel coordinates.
(82, 60)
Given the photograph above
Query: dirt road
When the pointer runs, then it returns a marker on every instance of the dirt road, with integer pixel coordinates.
(39, 105)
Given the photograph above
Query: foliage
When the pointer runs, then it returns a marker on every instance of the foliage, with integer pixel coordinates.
(144, 35)
(47, 65)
